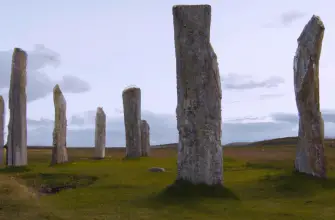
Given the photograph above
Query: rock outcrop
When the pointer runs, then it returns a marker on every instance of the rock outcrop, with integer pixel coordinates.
(156, 169)
(198, 97)
(2, 127)
(145, 138)
(132, 121)
(310, 148)
(100, 134)
(59, 150)
(17, 103)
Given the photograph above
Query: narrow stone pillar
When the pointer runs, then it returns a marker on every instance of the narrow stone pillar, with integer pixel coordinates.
(59, 150)
(310, 148)
(198, 97)
(17, 127)
(2, 126)
(145, 138)
(132, 121)
(100, 134)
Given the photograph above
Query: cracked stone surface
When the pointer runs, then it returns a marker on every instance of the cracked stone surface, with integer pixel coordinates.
(17, 103)
(132, 121)
(100, 134)
(145, 138)
(310, 148)
(199, 97)
(59, 150)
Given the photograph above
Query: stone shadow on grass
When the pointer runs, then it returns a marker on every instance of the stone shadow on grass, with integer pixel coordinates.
(296, 184)
(51, 183)
(187, 194)
(19, 169)
(183, 188)
(131, 158)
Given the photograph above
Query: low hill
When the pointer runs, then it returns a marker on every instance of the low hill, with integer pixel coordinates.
(271, 142)
(283, 141)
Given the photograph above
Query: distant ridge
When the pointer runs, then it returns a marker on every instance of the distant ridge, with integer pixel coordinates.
(270, 142)
(282, 141)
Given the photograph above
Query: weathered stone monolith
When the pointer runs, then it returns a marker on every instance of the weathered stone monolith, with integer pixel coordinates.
(132, 121)
(100, 134)
(59, 150)
(198, 97)
(145, 138)
(17, 103)
(310, 148)
(2, 126)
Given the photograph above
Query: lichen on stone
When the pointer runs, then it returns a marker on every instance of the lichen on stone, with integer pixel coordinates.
(310, 147)
(100, 133)
(59, 151)
(17, 104)
(199, 97)
(131, 97)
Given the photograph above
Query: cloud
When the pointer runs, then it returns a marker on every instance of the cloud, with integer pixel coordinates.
(43, 122)
(39, 84)
(234, 81)
(327, 115)
(285, 19)
(244, 119)
(73, 84)
(163, 128)
(270, 96)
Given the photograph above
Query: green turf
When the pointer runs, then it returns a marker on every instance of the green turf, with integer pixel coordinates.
(124, 189)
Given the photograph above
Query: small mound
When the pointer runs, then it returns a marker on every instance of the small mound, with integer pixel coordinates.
(295, 184)
(51, 183)
(17, 200)
(185, 189)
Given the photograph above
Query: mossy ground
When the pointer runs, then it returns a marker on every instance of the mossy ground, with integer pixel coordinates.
(258, 184)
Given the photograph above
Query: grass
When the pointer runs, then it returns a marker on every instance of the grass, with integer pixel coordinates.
(258, 184)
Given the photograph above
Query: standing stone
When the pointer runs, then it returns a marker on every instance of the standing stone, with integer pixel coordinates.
(100, 134)
(2, 126)
(198, 97)
(145, 138)
(132, 121)
(310, 148)
(59, 150)
(17, 127)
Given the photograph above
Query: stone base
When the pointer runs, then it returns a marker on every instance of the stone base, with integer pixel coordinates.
(184, 188)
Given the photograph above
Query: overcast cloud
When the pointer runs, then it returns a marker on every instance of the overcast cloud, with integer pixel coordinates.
(242, 82)
(39, 83)
(93, 55)
(286, 19)
(163, 128)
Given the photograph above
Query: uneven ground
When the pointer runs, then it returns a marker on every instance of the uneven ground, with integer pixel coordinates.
(259, 184)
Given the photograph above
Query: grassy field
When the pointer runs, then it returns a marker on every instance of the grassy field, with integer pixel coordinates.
(259, 184)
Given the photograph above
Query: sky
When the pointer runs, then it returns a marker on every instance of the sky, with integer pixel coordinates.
(95, 49)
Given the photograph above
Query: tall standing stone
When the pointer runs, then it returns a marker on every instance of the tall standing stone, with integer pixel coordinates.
(2, 126)
(145, 138)
(59, 150)
(17, 127)
(132, 121)
(100, 134)
(310, 148)
(198, 97)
